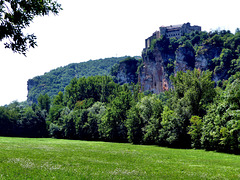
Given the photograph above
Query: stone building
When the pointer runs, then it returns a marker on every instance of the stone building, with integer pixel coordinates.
(172, 31)
(148, 41)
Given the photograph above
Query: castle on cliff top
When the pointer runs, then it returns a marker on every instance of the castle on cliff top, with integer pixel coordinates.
(172, 31)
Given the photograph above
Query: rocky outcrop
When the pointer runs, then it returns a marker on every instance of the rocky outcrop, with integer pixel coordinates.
(204, 55)
(185, 59)
(154, 73)
(204, 61)
(31, 85)
(126, 71)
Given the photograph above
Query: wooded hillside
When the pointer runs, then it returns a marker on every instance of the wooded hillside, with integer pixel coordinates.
(56, 80)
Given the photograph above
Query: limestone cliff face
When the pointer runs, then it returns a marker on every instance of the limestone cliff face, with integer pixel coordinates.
(32, 85)
(154, 72)
(126, 71)
(184, 59)
(205, 54)
(203, 61)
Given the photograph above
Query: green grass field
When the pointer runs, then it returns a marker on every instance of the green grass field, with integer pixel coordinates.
(24, 158)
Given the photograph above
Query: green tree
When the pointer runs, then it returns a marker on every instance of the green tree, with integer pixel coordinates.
(55, 131)
(173, 131)
(113, 126)
(71, 94)
(32, 124)
(17, 15)
(221, 125)
(56, 108)
(91, 126)
(69, 126)
(144, 121)
(7, 122)
(223, 63)
(97, 88)
(195, 131)
(55, 113)
(44, 102)
(96, 112)
(58, 100)
(150, 108)
(81, 124)
(134, 126)
(216, 40)
(192, 92)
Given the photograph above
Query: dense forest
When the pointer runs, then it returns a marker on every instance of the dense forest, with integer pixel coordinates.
(57, 79)
(195, 113)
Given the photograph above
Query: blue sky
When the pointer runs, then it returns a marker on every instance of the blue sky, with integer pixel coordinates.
(96, 29)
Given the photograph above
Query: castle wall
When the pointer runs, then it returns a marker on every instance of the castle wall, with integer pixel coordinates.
(177, 34)
(172, 31)
(156, 35)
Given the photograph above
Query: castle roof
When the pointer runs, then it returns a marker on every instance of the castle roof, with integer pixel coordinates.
(173, 26)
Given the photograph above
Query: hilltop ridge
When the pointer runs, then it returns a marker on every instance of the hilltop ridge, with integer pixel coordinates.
(57, 79)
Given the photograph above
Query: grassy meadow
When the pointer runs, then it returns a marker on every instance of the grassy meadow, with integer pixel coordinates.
(24, 158)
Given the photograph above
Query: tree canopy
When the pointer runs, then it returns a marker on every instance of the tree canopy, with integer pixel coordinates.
(16, 15)
(192, 114)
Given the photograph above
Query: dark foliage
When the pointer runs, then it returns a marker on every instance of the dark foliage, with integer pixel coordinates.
(17, 15)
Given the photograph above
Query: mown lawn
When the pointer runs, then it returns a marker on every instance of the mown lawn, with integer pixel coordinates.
(24, 158)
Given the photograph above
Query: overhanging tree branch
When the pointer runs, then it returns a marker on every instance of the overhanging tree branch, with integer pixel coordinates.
(16, 15)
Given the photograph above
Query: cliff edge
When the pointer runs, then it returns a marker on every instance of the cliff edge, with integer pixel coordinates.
(166, 57)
